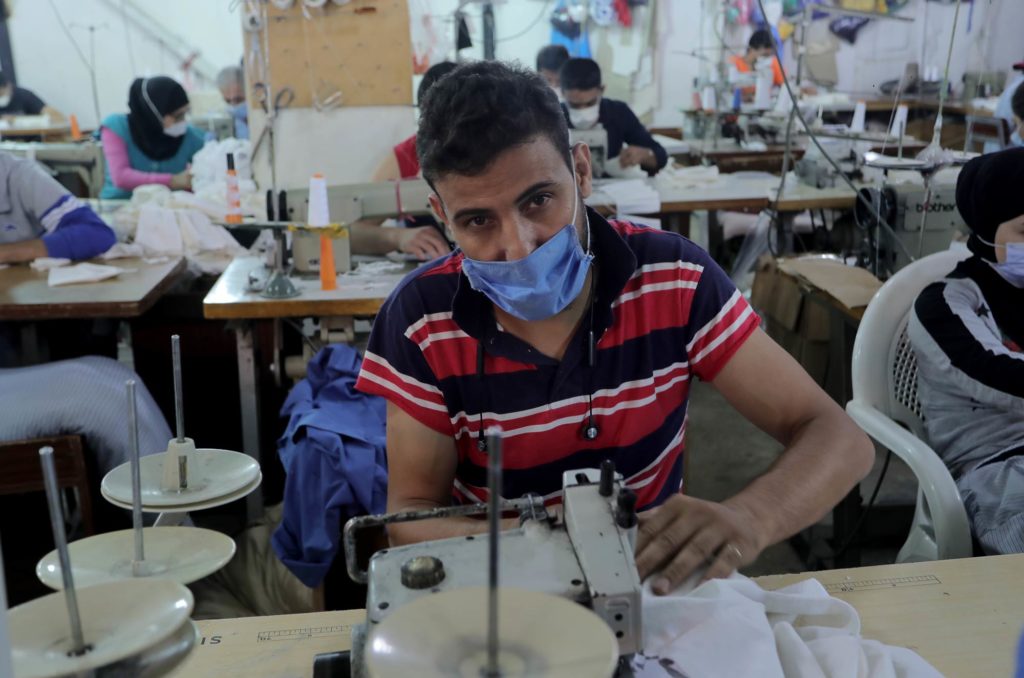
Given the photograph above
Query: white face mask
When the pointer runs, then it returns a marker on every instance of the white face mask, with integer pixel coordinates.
(178, 129)
(5, 101)
(558, 93)
(585, 118)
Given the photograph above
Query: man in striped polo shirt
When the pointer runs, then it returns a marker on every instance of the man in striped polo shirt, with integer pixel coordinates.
(578, 337)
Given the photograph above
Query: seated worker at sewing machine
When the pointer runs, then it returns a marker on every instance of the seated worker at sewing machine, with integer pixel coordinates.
(968, 335)
(550, 60)
(16, 101)
(421, 236)
(231, 83)
(760, 46)
(152, 143)
(579, 337)
(40, 218)
(586, 107)
(1006, 110)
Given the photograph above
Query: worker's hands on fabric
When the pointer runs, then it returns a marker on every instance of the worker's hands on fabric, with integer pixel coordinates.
(182, 181)
(634, 155)
(686, 534)
(424, 242)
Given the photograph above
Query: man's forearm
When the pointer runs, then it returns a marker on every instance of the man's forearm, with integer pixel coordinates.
(26, 250)
(441, 528)
(825, 459)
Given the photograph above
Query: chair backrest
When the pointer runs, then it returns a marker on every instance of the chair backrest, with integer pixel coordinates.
(984, 129)
(884, 371)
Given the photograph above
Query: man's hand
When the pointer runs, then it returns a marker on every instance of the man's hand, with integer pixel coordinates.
(425, 242)
(635, 155)
(685, 534)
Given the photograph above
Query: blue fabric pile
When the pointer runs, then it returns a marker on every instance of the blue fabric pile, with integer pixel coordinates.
(334, 456)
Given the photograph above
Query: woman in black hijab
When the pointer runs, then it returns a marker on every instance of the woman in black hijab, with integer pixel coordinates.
(968, 335)
(152, 143)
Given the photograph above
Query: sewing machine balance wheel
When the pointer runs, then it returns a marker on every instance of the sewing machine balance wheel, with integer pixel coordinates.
(446, 635)
(131, 628)
(212, 475)
(181, 554)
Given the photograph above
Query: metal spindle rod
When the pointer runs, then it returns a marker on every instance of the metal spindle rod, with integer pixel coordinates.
(494, 520)
(133, 440)
(899, 151)
(61, 541)
(179, 403)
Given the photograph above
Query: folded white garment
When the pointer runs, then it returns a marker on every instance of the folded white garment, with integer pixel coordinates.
(732, 627)
(630, 195)
(158, 231)
(46, 263)
(83, 273)
(613, 168)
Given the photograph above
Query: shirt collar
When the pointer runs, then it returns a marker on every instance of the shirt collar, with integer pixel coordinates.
(614, 263)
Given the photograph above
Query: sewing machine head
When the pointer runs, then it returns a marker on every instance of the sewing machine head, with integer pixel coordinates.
(585, 556)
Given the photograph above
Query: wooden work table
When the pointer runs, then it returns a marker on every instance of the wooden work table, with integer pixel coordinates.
(231, 297)
(25, 295)
(963, 616)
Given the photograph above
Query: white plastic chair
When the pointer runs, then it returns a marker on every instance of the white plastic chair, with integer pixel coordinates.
(884, 378)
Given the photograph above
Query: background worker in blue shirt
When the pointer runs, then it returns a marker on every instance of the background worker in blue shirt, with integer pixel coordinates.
(40, 218)
(586, 106)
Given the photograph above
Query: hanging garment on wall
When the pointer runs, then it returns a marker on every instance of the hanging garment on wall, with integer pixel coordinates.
(603, 12)
(563, 24)
(624, 13)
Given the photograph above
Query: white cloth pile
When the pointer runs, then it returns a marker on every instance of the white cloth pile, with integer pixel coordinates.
(209, 176)
(628, 195)
(687, 177)
(732, 627)
(164, 223)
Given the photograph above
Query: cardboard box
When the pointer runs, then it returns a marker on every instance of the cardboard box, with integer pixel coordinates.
(800, 325)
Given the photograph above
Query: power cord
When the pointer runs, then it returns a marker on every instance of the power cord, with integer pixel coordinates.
(864, 514)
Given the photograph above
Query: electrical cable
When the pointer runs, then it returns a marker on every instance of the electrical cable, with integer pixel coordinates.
(540, 15)
(128, 39)
(839, 172)
(864, 514)
(85, 60)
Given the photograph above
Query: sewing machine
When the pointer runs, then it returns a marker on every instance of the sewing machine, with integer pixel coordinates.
(597, 139)
(924, 221)
(586, 557)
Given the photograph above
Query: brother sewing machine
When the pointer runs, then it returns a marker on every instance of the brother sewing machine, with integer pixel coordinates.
(569, 596)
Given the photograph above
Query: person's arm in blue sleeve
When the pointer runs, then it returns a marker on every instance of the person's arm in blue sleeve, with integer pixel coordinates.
(77, 233)
(648, 153)
(67, 228)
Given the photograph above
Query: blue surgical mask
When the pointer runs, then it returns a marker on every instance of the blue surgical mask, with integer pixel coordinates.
(541, 284)
(240, 111)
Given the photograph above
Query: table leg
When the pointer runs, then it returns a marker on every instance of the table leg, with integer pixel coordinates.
(248, 386)
(716, 236)
(678, 222)
(35, 350)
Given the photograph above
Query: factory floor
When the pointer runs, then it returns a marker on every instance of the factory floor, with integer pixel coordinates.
(727, 452)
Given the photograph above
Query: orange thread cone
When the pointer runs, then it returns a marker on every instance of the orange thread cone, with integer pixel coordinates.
(328, 278)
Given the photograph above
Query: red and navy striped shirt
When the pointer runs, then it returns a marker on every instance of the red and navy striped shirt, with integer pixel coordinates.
(664, 312)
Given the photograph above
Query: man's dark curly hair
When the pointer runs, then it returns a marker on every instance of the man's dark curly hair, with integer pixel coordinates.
(480, 110)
